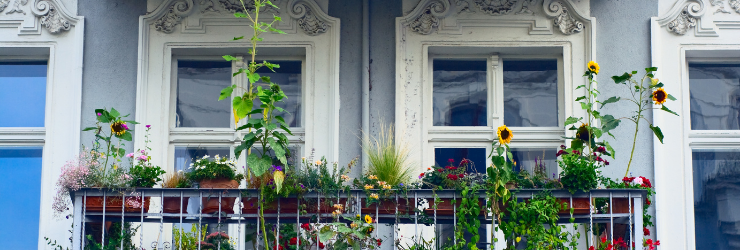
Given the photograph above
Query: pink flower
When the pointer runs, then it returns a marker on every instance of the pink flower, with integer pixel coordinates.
(148, 126)
(638, 181)
(143, 158)
(130, 155)
(99, 114)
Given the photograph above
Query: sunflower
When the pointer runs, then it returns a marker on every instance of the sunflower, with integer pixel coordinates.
(504, 135)
(368, 220)
(660, 96)
(593, 67)
(118, 128)
(582, 133)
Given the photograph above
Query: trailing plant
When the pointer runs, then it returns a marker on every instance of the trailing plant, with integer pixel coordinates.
(450, 176)
(116, 238)
(579, 171)
(218, 168)
(388, 159)
(536, 221)
(631, 183)
(501, 175)
(643, 93)
(143, 172)
(356, 235)
(467, 219)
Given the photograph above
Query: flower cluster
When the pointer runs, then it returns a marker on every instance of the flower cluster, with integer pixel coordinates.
(75, 175)
(218, 168)
(450, 177)
(605, 244)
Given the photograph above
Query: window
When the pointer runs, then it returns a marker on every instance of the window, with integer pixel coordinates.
(203, 125)
(473, 96)
(714, 91)
(22, 110)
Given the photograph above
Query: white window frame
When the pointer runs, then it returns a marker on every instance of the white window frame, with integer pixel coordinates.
(227, 137)
(483, 136)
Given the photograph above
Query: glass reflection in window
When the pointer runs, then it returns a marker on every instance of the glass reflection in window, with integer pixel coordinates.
(716, 198)
(536, 160)
(288, 76)
(715, 96)
(459, 93)
(199, 83)
(531, 93)
(23, 95)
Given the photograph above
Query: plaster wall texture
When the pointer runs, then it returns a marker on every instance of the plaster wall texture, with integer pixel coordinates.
(109, 59)
(383, 15)
(623, 45)
(350, 80)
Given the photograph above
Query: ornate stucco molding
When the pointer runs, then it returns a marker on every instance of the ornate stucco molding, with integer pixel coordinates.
(51, 17)
(4, 4)
(309, 17)
(170, 14)
(496, 8)
(425, 18)
(564, 20)
(17, 7)
(682, 23)
(686, 15)
(735, 5)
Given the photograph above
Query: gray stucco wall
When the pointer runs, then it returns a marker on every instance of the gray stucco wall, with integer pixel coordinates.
(110, 58)
(623, 45)
(350, 79)
(383, 15)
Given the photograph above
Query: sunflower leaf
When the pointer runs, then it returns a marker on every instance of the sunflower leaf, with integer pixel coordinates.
(621, 79)
(657, 132)
(670, 97)
(125, 136)
(571, 120)
(612, 99)
(668, 110)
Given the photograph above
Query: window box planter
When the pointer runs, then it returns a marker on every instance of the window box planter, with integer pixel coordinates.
(114, 204)
(211, 204)
(388, 206)
(172, 205)
(445, 206)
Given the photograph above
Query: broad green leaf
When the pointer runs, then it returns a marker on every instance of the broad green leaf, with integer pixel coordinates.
(103, 117)
(230, 58)
(580, 98)
(90, 128)
(278, 149)
(131, 122)
(585, 105)
(621, 79)
(114, 113)
(258, 165)
(121, 152)
(286, 129)
(239, 14)
(657, 132)
(125, 136)
(253, 77)
(670, 97)
(238, 72)
(276, 18)
(608, 123)
(659, 85)
(612, 99)
(326, 233)
(664, 108)
(571, 120)
(244, 107)
(238, 38)
(265, 79)
(226, 92)
(609, 149)
(651, 69)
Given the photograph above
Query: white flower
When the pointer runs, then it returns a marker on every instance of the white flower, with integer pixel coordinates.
(205, 157)
(179, 171)
(638, 181)
(191, 164)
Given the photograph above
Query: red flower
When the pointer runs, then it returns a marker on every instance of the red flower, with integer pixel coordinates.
(293, 241)
(606, 163)
(561, 152)
(645, 231)
(646, 182)
(609, 246)
(461, 175)
(306, 226)
(379, 241)
(452, 177)
(601, 149)
(321, 245)
(576, 152)
(440, 170)
(451, 160)
(591, 248)
(620, 242)
(451, 168)
(603, 239)
(464, 161)
(628, 179)
(657, 243)
(648, 202)
(421, 175)
(278, 247)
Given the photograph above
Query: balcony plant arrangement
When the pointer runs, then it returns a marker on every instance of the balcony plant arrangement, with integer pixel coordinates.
(279, 198)
(327, 179)
(216, 173)
(533, 223)
(450, 177)
(175, 205)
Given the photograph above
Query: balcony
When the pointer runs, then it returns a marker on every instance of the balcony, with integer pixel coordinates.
(290, 211)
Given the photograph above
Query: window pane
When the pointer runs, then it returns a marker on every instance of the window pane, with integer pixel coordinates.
(446, 156)
(288, 76)
(23, 95)
(531, 158)
(531, 93)
(185, 155)
(199, 83)
(716, 198)
(715, 96)
(20, 187)
(460, 93)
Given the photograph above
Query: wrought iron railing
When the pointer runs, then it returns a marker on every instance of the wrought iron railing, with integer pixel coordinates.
(416, 215)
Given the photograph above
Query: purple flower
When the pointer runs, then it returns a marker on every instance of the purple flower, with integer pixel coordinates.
(400, 184)
(302, 187)
(99, 114)
(148, 126)
(124, 126)
(130, 155)
(562, 146)
(276, 168)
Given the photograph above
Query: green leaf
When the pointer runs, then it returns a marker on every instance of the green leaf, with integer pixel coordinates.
(668, 110)
(114, 113)
(571, 120)
(651, 69)
(278, 149)
(238, 38)
(276, 30)
(326, 233)
(226, 92)
(230, 58)
(612, 99)
(243, 108)
(608, 123)
(265, 79)
(121, 151)
(657, 132)
(670, 97)
(580, 98)
(253, 77)
(125, 136)
(609, 148)
(621, 79)
(258, 165)
(585, 105)
(276, 18)
(89, 128)
(239, 14)
(659, 85)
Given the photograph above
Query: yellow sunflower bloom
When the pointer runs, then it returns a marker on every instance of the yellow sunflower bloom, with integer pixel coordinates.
(583, 132)
(504, 135)
(118, 128)
(593, 67)
(660, 96)
(368, 220)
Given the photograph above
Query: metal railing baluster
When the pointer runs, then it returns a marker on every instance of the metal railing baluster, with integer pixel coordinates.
(200, 215)
(629, 204)
(611, 217)
(102, 241)
(161, 219)
(123, 210)
(219, 219)
(179, 243)
(141, 226)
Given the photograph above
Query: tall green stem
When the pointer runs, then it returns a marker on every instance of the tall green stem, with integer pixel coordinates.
(637, 128)
(261, 204)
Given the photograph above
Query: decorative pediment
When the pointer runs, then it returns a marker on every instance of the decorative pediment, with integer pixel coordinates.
(703, 17)
(542, 17)
(190, 16)
(30, 18)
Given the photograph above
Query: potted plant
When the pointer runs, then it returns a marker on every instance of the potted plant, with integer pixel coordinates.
(272, 200)
(219, 173)
(327, 179)
(450, 177)
(173, 204)
(533, 223)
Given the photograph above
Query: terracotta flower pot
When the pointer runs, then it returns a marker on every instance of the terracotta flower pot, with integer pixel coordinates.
(622, 206)
(388, 206)
(113, 204)
(326, 205)
(211, 204)
(171, 205)
(445, 206)
(580, 206)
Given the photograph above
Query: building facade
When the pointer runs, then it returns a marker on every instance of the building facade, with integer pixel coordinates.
(445, 73)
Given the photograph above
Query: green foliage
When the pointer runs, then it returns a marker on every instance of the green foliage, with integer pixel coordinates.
(467, 219)
(188, 240)
(218, 168)
(539, 179)
(357, 235)
(450, 176)
(536, 221)
(579, 172)
(325, 178)
(143, 176)
(114, 237)
(501, 177)
(387, 159)
(176, 180)
(110, 133)
(633, 183)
